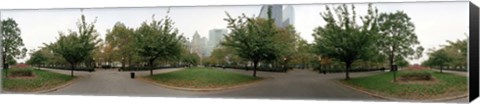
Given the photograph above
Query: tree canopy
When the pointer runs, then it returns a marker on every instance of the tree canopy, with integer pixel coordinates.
(253, 38)
(342, 38)
(78, 46)
(398, 39)
(13, 47)
(121, 39)
(158, 40)
(454, 54)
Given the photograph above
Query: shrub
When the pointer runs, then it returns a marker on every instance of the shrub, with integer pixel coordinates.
(106, 66)
(69, 68)
(23, 72)
(133, 68)
(415, 75)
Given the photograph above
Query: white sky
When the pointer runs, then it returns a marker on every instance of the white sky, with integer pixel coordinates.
(435, 22)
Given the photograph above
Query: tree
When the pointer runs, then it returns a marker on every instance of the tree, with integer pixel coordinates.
(303, 53)
(252, 38)
(121, 38)
(190, 58)
(287, 40)
(398, 38)
(401, 62)
(37, 58)
(158, 40)
(343, 39)
(458, 51)
(76, 46)
(13, 47)
(439, 58)
(106, 53)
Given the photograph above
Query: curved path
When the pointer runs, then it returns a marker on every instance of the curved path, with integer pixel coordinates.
(114, 83)
(296, 84)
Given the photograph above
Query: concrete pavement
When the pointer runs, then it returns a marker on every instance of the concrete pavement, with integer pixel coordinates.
(296, 84)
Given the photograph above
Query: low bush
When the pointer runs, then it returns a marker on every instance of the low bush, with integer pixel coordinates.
(259, 68)
(76, 68)
(106, 66)
(415, 75)
(341, 70)
(132, 68)
(21, 72)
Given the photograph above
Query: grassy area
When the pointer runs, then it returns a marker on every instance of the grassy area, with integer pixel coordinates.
(447, 85)
(42, 80)
(201, 78)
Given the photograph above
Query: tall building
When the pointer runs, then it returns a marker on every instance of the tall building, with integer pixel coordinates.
(198, 44)
(283, 16)
(203, 44)
(288, 15)
(214, 39)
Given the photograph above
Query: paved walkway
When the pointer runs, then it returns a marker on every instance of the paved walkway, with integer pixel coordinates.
(297, 84)
(453, 72)
(114, 83)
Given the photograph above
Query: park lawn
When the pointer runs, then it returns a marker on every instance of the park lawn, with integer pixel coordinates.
(43, 80)
(198, 77)
(447, 85)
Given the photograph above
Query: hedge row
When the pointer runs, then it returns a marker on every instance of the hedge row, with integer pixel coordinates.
(69, 68)
(148, 68)
(331, 70)
(259, 68)
(463, 70)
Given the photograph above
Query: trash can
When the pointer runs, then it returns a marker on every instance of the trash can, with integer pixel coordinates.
(132, 75)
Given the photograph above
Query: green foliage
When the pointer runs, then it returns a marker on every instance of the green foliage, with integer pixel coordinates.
(439, 58)
(37, 58)
(190, 58)
(286, 40)
(401, 62)
(343, 39)
(158, 40)
(197, 77)
(21, 72)
(12, 43)
(453, 54)
(224, 55)
(76, 46)
(398, 39)
(45, 57)
(412, 75)
(253, 38)
(303, 53)
(121, 42)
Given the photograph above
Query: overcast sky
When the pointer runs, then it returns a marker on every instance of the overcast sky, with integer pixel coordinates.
(435, 22)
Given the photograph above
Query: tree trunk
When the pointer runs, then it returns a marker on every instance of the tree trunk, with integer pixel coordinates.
(123, 63)
(391, 61)
(72, 67)
(5, 65)
(255, 64)
(150, 64)
(347, 65)
(441, 68)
